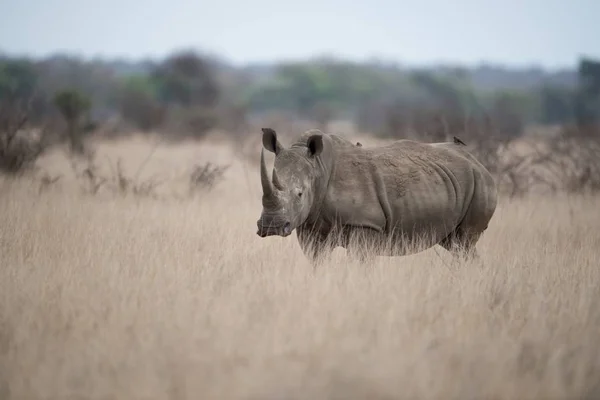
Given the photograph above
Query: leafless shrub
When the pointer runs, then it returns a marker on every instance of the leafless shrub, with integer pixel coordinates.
(47, 181)
(89, 175)
(489, 149)
(568, 162)
(206, 176)
(20, 144)
(122, 184)
(117, 181)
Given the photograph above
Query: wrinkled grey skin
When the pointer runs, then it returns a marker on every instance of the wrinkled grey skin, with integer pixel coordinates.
(389, 200)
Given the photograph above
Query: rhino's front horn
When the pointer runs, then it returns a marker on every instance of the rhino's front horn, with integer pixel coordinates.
(264, 177)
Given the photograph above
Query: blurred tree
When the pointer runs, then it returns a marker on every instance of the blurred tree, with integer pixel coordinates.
(137, 102)
(587, 106)
(187, 80)
(187, 86)
(18, 79)
(19, 87)
(557, 104)
(320, 87)
(193, 91)
(97, 78)
(510, 110)
(73, 105)
(307, 85)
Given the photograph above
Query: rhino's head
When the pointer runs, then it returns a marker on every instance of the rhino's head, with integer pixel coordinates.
(289, 195)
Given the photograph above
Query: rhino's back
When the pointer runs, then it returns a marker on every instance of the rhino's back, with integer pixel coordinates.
(407, 185)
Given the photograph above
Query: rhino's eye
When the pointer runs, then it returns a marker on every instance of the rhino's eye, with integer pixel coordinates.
(299, 194)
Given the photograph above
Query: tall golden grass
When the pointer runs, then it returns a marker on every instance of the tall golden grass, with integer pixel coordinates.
(117, 297)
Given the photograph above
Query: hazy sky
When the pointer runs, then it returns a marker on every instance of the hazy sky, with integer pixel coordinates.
(552, 33)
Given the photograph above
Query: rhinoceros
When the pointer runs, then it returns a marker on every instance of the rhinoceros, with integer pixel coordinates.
(391, 200)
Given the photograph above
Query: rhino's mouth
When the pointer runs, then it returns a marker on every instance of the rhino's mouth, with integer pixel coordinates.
(283, 230)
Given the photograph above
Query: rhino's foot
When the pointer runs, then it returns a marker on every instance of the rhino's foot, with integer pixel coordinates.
(315, 247)
(461, 256)
(462, 246)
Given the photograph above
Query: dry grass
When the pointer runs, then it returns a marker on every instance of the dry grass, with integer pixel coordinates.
(124, 298)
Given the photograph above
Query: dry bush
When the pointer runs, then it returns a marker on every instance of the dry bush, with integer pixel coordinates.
(567, 162)
(123, 184)
(206, 176)
(574, 159)
(20, 143)
(141, 109)
(123, 298)
(91, 178)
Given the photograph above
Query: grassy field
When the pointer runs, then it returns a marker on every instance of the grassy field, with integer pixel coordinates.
(122, 297)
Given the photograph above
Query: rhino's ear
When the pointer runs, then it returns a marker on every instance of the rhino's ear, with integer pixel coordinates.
(315, 144)
(270, 141)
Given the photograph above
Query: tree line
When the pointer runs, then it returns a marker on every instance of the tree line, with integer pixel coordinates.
(189, 93)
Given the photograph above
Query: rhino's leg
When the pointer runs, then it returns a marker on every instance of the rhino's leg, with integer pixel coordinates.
(475, 221)
(361, 245)
(315, 247)
(461, 244)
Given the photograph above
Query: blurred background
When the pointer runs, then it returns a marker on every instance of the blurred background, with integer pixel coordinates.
(492, 73)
